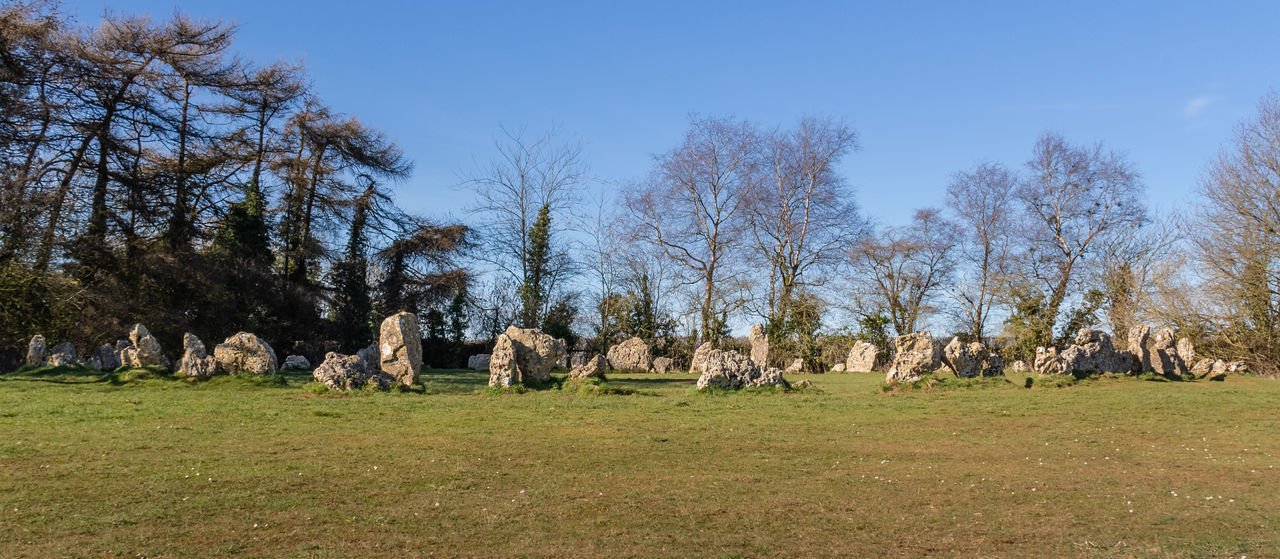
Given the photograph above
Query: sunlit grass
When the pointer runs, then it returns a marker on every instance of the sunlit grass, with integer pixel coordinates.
(143, 464)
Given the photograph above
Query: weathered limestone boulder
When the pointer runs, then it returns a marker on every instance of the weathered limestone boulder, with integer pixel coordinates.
(478, 362)
(1202, 367)
(663, 365)
(1139, 339)
(296, 362)
(972, 360)
(108, 358)
(1096, 354)
(245, 353)
(1164, 354)
(759, 345)
(349, 372)
(579, 358)
(563, 361)
(63, 354)
(400, 347)
(594, 367)
(195, 362)
(699, 362)
(371, 356)
(915, 356)
(796, 366)
(123, 353)
(862, 357)
(1048, 362)
(732, 370)
(631, 356)
(1186, 352)
(1019, 366)
(839, 368)
(36, 349)
(523, 355)
(1237, 367)
(144, 350)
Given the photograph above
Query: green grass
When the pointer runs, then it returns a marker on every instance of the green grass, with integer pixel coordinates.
(140, 464)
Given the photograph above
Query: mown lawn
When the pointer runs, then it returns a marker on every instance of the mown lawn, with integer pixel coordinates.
(99, 465)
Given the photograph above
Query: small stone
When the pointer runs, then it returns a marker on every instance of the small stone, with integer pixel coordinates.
(63, 354)
(796, 366)
(297, 362)
(862, 357)
(195, 362)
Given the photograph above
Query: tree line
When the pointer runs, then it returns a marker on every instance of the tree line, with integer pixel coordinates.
(151, 175)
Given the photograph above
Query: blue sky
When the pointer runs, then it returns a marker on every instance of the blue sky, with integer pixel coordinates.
(932, 87)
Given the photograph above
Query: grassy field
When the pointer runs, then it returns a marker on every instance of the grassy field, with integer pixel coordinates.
(95, 465)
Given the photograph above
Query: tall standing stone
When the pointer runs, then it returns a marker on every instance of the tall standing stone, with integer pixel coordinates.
(862, 357)
(1138, 338)
(523, 355)
(36, 351)
(145, 350)
(759, 345)
(195, 362)
(400, 347)
(914, 356)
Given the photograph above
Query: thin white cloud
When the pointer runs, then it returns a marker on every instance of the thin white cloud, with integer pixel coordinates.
(1196, 105)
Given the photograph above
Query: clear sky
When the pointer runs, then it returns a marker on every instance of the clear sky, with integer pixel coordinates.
(932, 87)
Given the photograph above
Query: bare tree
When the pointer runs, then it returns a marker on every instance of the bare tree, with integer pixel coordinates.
(1236, 242)
(903, 270)
(803, 212)
(1072, 197)
(1132, 263)
(525, 175)
(693, 206)
(982, 201)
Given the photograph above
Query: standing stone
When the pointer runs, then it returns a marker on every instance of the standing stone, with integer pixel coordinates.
(1164, 354)
(966, 360)
(108, 358)
(862, 357)
(245, 353)
(663, 364)
(796, 366)
(839, 368)
(296, 362)
(195, 362)
(503, 369)
(62, 354)
(1138, 338)
(759, 345)
(36, 351)
(699, 362)
(1186, 352)
(144, 351)
(478, 362)
(124, 352)
(1019, 366)
(1097, 355)
(523, 355)
(401, 347)
(630, 356)
(1048, 362)
(732, 370)
(594, 367)
(349, 372)
(915, 355)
